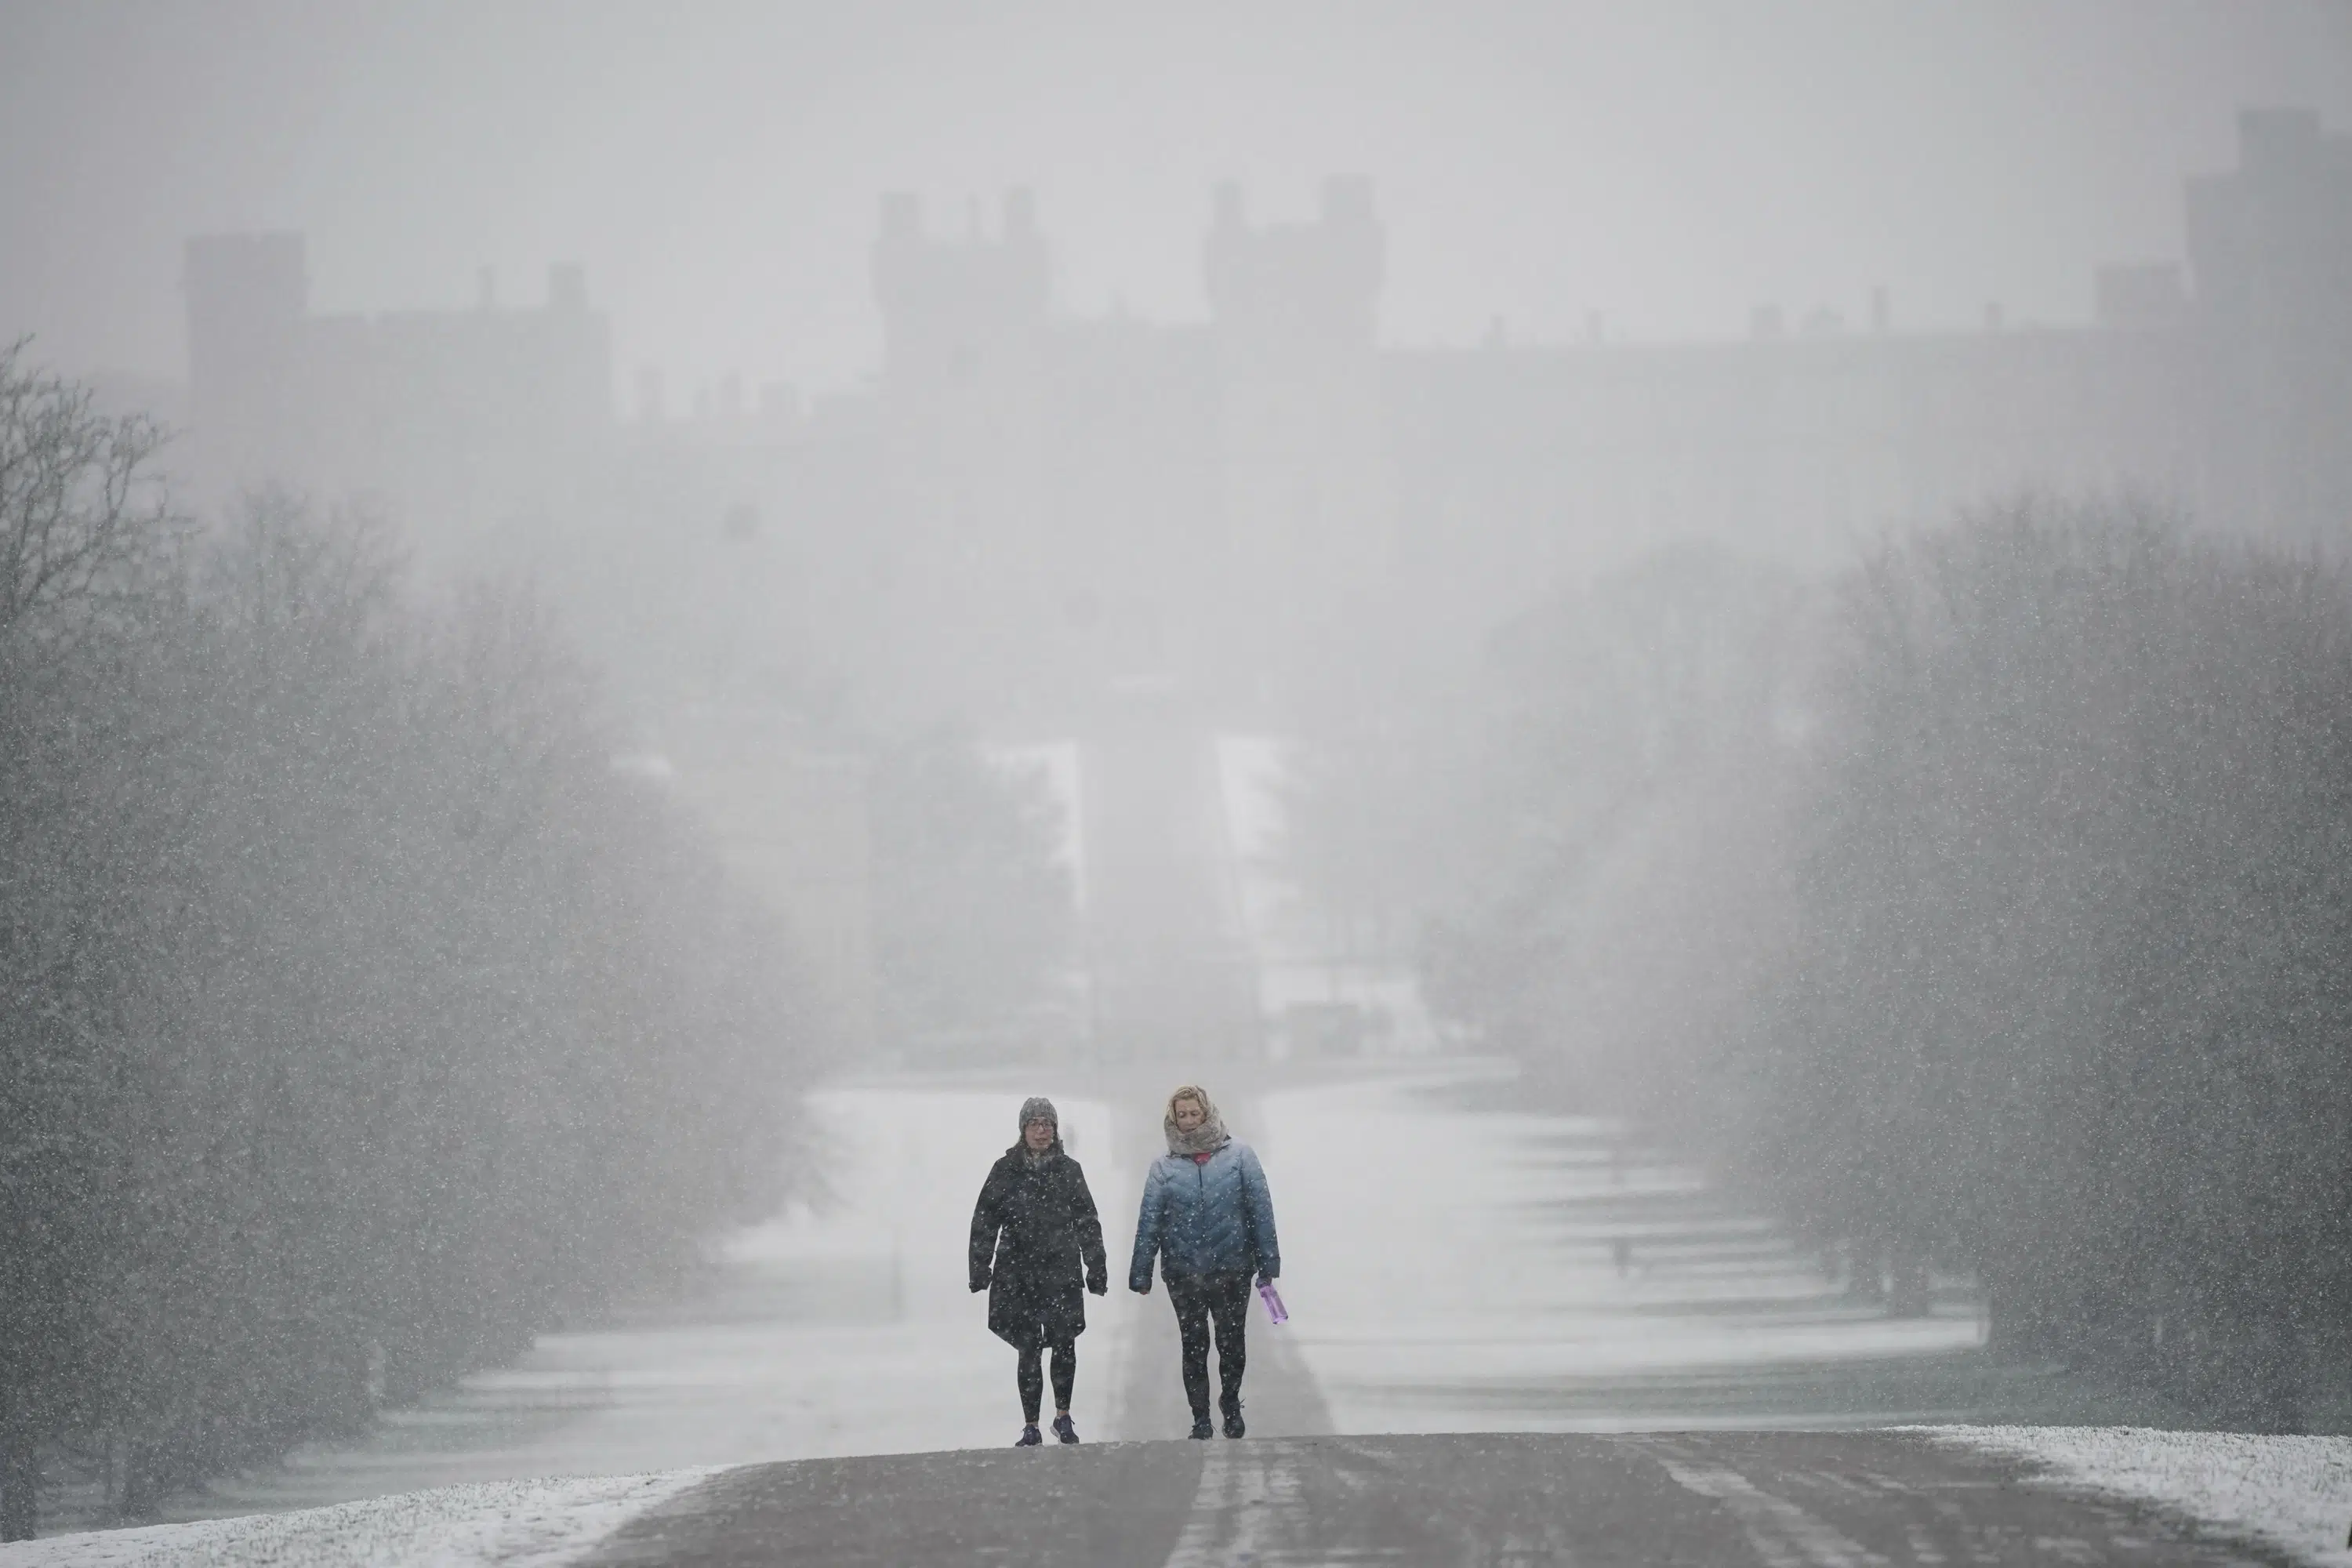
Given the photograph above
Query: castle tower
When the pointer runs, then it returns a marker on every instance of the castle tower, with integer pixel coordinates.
(247, 298)
(1289, 291)
(958, 311)
(1294, 313)
(2270, 245)
(964, 413)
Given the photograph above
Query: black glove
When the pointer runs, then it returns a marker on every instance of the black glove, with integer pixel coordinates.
(978, 1286)
(1098, 1286)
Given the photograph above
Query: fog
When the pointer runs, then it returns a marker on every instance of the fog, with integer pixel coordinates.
(1740, 610)
(1668, 167)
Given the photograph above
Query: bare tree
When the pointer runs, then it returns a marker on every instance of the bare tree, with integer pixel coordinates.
(80, 509)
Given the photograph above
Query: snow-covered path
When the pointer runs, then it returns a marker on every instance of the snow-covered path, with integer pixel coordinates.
(1452, 1266)
(1746, 1499)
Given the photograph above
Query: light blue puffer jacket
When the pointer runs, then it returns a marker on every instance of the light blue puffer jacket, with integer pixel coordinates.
(1210, 1218)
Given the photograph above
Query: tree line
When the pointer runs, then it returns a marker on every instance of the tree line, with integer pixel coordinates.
(2071, 997)
(360, 1018)
(1987, 909)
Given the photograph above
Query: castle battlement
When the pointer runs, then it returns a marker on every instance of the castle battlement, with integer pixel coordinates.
(1315, 282)
(949, 304)
(452, 419)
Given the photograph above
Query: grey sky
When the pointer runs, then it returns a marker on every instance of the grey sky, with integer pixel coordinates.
(716, 165)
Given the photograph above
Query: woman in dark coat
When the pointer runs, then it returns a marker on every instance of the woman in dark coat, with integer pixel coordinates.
(1036, 1242)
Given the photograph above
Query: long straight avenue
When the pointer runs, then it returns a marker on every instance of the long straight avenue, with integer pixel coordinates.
(1721, 1500)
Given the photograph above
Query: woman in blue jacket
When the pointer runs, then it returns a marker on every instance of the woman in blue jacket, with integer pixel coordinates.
(1209, 1218)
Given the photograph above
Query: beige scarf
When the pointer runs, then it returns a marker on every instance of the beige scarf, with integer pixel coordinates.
(1207, 1138)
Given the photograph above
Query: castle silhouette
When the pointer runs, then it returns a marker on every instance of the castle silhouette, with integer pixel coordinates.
(1055, 504)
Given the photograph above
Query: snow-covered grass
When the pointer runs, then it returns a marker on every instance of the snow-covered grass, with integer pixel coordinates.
(1483, 1286)
(514, 1524)
(2294, 1493)
(844, 1330)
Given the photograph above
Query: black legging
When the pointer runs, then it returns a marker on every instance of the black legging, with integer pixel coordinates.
(1202, 1300)
(1031, 1375)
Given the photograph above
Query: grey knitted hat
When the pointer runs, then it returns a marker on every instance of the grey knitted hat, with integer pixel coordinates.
(1037, 1108)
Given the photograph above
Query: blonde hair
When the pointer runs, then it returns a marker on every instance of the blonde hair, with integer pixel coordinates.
(1196, 1094)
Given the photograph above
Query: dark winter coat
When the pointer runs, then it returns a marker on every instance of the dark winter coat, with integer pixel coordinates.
(1037, 1243)
(1211, 1218)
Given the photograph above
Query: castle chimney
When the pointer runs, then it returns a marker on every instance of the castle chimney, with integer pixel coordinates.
(486, 288)
(1882, 314)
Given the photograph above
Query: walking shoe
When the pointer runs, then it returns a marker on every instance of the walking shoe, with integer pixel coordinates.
(1202, 1428)
(1235, 1425)
(1065, 1429)
(1030, 1439)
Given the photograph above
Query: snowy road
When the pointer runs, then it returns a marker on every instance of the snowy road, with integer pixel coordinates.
(1479, 1292)
(1475, 1285)
(1725, 1500)
(1781, 1500)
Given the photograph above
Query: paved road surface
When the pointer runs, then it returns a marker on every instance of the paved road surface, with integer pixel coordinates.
(1784, 1499)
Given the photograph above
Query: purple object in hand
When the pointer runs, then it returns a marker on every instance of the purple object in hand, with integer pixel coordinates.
(1275, 1311)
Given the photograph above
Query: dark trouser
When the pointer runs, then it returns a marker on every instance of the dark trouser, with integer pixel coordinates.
(1031, 1375)
(1202, 1300)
